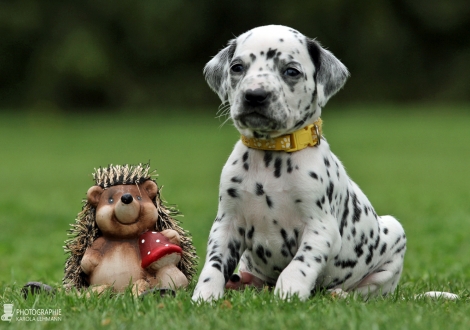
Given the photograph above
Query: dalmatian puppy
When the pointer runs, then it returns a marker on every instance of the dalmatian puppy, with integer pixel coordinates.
(291, 220)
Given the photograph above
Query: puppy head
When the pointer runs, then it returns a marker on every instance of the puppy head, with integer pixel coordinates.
(275, 79)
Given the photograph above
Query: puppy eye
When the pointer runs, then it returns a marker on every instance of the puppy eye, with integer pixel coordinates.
(291, 72)
(237, 68)
(110, 200)
(139, 198)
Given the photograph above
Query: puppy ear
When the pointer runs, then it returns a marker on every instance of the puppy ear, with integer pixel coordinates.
(216, 70)
(330, 74)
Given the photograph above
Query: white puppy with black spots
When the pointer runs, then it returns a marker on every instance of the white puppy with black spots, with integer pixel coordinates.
(293, 220)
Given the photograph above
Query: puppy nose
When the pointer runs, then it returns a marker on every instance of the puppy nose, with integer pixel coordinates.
(126, 198)
(256, 96)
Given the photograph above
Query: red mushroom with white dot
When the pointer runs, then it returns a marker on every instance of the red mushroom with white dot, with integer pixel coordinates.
(161, 256)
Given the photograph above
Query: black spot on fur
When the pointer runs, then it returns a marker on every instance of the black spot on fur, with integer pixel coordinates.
(326, 161)
(232, 192)
(313, 175)
(292, 243)
(377, 240)
(329, 191)
(236, 179)
(344, 218)
(319, 205)
(401, 248)
(241, 231)
(346, 263)
(356, 209)
(289, 165)
(299, 258)
(245, 156)
(318, 259)
(358, 249)
(271, 53)
(234, 247)
(253, 57)
(298, 201)
(370, 255)
(259, 189)
(268, 157)
(385, 231)
(250, 233)
(288, 243)
(302, 120)
(269, 201)
(216, 259)
(296, 233)
(229, 267)
(277, 167)
(284, 234)
(260, 253)
(207, 280)
(246, 166)
(217, 219)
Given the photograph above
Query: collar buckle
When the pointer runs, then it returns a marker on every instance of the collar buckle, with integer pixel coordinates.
(302, 138)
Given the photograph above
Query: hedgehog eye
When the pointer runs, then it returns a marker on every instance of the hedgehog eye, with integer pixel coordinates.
(110, 200)
(139, 198)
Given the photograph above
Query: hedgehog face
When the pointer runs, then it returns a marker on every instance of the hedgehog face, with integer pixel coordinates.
(124, 211)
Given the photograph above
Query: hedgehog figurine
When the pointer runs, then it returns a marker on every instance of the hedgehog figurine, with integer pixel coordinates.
(126, 235)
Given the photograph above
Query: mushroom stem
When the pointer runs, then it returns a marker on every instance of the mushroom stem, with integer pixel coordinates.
(170, 277)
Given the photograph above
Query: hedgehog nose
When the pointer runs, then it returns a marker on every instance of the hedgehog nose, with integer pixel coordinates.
(126, 198)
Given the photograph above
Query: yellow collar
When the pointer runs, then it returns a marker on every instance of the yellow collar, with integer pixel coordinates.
(309, 136)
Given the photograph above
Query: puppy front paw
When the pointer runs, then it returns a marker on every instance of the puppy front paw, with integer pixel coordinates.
(209, 288)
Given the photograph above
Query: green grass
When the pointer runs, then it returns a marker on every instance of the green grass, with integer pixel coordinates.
(412, 162)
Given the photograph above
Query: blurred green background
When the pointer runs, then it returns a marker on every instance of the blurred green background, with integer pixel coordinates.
(411, 162)
(104, 54)
(87, 83)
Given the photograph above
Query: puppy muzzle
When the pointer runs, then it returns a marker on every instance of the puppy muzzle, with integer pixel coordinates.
(255, 111)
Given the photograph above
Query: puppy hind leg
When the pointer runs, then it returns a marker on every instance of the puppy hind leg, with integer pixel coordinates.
(391, 251)
(381, 282)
